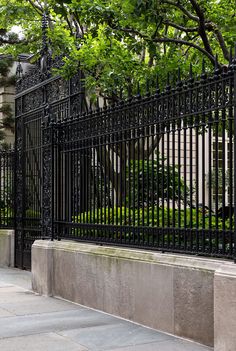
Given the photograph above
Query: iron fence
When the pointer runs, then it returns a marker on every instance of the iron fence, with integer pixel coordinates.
(7, 158)
(154, 171)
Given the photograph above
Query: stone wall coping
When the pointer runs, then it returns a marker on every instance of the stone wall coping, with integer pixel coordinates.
(6, 232)
(201, 263)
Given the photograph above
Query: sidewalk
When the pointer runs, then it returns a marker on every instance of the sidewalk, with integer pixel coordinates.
(29, 322)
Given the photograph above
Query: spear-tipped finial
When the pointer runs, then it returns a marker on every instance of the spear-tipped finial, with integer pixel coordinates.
(217, 68)
(203, 66)
(191, 71)
(179, 74)
(98, 103)
(179, 81)
(168, 87)
(129, 91)
(147, 87)
(157, 85)
(232, 62)
(168, 78)
(234, 56)
(138, 90)
(230, 55)
(216, 62)
(191, 77)
(90, 105)
(203, 75)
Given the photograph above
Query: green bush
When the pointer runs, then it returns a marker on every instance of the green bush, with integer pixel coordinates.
(153, 217)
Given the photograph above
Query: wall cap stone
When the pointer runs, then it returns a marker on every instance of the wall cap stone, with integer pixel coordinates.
(226, 271)
(201, 263)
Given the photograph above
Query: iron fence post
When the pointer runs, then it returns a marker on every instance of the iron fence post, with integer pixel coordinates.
(48, 175)
(234, 151)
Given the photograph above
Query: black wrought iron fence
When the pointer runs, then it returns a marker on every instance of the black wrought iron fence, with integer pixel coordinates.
(7, 158)
(154, 171)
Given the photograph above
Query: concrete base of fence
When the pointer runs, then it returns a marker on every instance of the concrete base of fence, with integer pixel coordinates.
(190, 297)
(7, 244)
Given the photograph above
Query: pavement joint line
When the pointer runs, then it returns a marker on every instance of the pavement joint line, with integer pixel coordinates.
(141, 344)
(32, 314)
(17, 286)
(69, 339)
(23, 335)
(39, 313)
(5, 309)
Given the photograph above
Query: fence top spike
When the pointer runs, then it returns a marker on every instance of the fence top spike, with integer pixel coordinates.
(129, 91)
(179, 74)
(203, 66)
(138, 89)
(203, 75)
(157, 83)
(90, 105)
(217, 67)
(147, 86)
(230, 55)
(98, 103)
(168, 87)
(233, 62)
(216, 62)
(179, 81)
(191, 76)
(168, 79)
(191, 70)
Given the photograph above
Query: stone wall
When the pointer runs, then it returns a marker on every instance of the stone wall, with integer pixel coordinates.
(7, 238)
(187, 296)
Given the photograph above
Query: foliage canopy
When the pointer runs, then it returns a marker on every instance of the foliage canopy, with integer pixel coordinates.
(121, 42)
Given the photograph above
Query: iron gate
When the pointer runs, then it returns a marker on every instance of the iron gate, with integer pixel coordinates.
(40, 99)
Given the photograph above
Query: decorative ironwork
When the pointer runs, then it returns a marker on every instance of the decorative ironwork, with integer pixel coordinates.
(40, 97)
(154, 172)
(48, 163)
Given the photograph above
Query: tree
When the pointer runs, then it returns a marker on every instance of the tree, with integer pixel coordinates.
(121, 43)
(118, 42)
(7, 121)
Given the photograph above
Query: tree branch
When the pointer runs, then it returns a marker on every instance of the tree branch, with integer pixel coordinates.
(177, 26)
(36, 7)
(202, 29)
(223, 46)
(169, 40)
(183, 9)
(184, 42)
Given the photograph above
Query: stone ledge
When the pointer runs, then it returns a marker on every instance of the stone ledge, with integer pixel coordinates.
(136, 254)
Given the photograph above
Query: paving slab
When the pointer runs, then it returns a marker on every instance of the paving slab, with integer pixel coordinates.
(5, 313)
(114, 335)
(170, 345)
(16, 277)
(40, 342)
(29, 322)
(11, 295)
